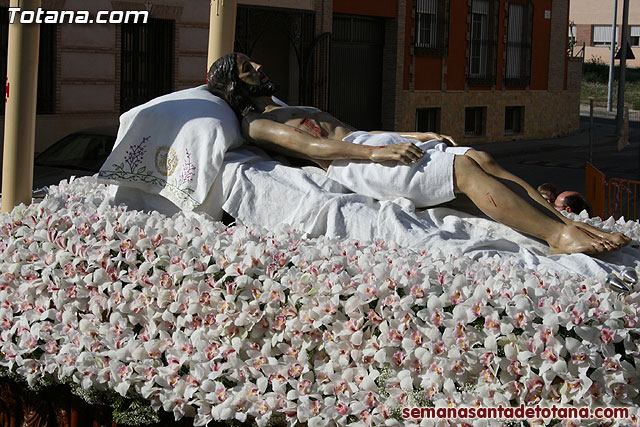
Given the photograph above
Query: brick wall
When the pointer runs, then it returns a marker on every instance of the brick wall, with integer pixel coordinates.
(583, 35)
(574, 74)
(546, 114)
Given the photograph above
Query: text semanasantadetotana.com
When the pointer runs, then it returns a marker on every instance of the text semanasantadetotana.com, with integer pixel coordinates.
(521, 412)
(41, 16)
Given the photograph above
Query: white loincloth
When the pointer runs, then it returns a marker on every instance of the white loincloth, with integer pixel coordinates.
(428, 182)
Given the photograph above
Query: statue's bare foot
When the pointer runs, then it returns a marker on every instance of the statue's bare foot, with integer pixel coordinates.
(617, 239)
(575, 239)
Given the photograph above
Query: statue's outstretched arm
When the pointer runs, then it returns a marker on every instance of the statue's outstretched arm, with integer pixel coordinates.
(294, 142)
(424, 136)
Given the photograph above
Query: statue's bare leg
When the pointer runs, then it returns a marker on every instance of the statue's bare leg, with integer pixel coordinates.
(503, 205)
(490, 166)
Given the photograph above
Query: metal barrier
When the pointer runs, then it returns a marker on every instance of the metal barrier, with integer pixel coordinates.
(614, 197)
(622, 198)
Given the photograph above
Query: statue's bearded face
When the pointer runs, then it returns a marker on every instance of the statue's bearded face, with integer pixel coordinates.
(236, 79)
(254, 80)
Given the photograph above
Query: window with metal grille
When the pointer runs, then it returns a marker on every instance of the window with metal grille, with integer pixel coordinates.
(634, 34)
(483, 43)
(601, 35)
(146, 61)
(518, 61)
(46, 103)
(513, 119)
(428, 119)
(475, 119)
(431, 27)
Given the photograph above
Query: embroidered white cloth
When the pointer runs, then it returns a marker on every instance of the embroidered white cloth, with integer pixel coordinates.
(173, 146)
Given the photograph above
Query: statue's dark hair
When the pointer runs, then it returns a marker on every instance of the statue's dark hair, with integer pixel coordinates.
(223, 81)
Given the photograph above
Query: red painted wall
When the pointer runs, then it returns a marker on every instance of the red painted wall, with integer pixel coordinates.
(457, 61)
(380, 8)
(541, 40)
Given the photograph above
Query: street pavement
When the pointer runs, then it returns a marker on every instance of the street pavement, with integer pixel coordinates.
(561, 161)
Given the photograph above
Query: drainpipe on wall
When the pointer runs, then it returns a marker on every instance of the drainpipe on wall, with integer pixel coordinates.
(222, 29)
(613, 56)
(20, 112)
(623, 67)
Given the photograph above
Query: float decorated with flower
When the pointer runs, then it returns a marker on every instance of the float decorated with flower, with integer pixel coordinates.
(225, 322)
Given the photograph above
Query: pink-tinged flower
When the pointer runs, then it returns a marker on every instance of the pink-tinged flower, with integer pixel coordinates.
(458, 366)
(259, 361)
(126, 246)
(149, 373)
(515, 387)
(417, 338)
(487, 376)
(124, 372)
(549, 354)
(438, 348)
(263, 407)
(6, 324)
(436, 318)
(315, 407)
(595, 390)
(391, 284)
(630, 321)
(435, 368)
(340, 388)
(399, 358)
(374, 317)
(295, 370)
(52, 347)
(304, 386)
(611, 365)
(492, 324)
(430, 392)
(463, 343)
(577, 317)
(487, 358)
(606, 335)
(370, 400)
(455, 297)
(192, 381)
(519, 320)
(394, 336)
(341, 408)
(459, 330)
(417, 292)
(166, 281)
(515, 368)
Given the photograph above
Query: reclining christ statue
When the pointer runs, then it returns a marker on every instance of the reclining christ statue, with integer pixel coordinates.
(427, 168)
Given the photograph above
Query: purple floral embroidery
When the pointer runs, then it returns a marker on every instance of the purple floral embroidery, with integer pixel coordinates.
(188, 170)
(135, 153)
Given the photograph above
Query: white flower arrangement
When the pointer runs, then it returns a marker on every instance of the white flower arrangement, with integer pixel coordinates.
(217, 322)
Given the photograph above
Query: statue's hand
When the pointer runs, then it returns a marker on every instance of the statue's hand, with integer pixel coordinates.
(443, 138)
(405, 153)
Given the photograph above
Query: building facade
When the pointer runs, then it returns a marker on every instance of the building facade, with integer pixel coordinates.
(478, 70)
(489, 70)
(592, 22)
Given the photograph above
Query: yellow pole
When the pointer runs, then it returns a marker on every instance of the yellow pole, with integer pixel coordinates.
(222, 29)
(20, 111)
